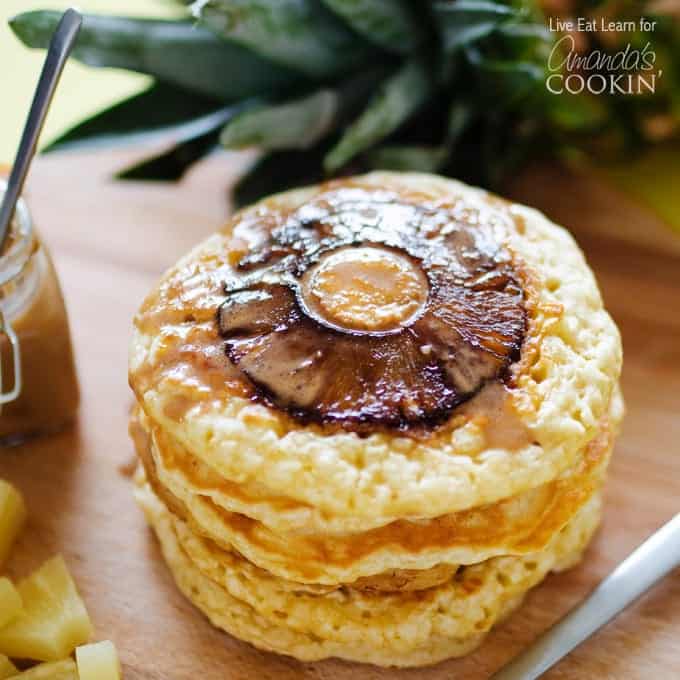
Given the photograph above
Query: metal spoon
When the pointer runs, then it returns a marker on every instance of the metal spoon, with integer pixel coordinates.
(60, 47)
(655, 558)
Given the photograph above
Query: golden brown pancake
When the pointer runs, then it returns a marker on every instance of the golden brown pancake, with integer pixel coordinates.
(398, 629)
(516, 525)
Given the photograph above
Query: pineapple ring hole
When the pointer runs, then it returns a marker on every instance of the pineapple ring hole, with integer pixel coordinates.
(365, 290)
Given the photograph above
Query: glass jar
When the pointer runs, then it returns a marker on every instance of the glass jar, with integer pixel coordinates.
(38, 386)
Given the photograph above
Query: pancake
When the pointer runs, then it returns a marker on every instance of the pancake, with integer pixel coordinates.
(278, 513)
(516, 525)
(400, 629)
(513, 408)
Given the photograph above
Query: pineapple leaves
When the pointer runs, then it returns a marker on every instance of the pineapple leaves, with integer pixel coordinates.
(278, 171)
(506, 82)
(462, 22)
(390, 24)
(424, 158)
(398, 98)
(170, 165)
(408, 158)
(176, 52)
(154, 110)
(296, 124)
(327, 86)
(299, 34)
(299, 123)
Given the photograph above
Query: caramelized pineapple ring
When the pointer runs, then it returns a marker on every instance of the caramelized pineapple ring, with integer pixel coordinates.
(364, 310)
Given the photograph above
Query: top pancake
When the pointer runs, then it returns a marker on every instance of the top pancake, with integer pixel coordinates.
(524, 426)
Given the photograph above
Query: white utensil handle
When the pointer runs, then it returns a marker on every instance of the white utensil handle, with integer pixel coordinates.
(658, 555)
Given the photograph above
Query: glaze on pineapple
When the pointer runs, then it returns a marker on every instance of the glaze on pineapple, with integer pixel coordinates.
(367, 311)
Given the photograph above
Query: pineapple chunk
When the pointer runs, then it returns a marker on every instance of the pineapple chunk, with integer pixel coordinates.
(60, 670)
(98, 661)
(12, 517)
(7, 668)
(54, 621)
(10, 602)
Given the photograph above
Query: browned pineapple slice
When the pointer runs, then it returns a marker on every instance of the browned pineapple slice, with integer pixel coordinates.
(54, 621)
(98, 661)
(361, 309)
(58, 670)
(12, 517)
(7, 668)
(10, 602)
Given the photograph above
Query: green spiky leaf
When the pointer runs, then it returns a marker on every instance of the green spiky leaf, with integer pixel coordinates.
(462, 22)
(391, 24)
(506, 82)
(398, 99)
(176, 52)
(171, 164)
(408, 158)
(157, 109)
(295, 124)
(299, 123)
(299, 34)
(278, 171)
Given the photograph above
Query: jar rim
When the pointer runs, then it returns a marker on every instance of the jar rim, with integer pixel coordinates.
(13, 261)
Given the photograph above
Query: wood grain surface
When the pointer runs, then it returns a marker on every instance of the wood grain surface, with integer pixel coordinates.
(111, 241)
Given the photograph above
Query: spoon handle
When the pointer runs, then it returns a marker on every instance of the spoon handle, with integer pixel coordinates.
(657, 556)
(60, 47)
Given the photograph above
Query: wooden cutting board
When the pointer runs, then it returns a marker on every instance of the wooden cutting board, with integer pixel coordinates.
(112, 240)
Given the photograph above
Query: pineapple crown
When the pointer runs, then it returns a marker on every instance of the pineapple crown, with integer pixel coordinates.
(327, 87)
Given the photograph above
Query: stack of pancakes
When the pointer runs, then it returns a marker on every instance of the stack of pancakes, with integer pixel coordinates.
(318, 487)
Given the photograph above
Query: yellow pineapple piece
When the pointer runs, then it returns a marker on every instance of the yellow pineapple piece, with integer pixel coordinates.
(10, 602)
(98, 661)
(59, 670)
(7, 668)
(54, 621)
(12, 517)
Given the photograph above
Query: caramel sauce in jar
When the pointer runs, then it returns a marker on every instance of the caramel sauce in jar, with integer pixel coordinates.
(34, 337)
